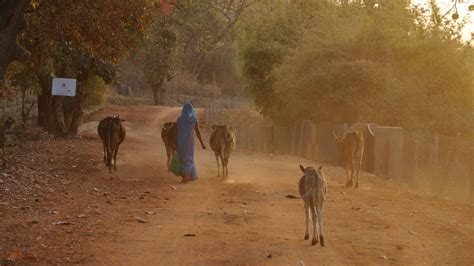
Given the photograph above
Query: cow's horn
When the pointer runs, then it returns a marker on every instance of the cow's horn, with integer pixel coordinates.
(370, 130)
(334, 134)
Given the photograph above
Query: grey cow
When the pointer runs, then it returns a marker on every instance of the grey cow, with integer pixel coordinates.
(313, 191)
(222, 142)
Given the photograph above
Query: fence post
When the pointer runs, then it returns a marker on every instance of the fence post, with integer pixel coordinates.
(293, 139)
(416, 157)
(434, 165)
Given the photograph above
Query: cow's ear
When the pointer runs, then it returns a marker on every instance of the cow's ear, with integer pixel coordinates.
(231, 128)
(320, 167)
(302, 168)
(213, 126)
(122, 120)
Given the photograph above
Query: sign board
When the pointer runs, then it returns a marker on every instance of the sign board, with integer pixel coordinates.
(64, 87)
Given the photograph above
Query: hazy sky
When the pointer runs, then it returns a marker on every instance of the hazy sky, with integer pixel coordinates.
(463, 11)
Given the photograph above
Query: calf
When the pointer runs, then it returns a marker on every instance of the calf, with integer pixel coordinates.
(351, 150)
(222, 142)
(169, 136)
(112, 133)
(313, 191)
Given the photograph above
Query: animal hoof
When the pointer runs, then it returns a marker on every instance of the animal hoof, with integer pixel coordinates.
(306, 237)
(357, 185)
(321, 241)
(314, 242)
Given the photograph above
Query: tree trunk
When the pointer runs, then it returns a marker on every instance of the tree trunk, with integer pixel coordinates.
(157, 90)
(44, 101)
(73, 113)
(50, 109)
(60, 115)
(12, 21)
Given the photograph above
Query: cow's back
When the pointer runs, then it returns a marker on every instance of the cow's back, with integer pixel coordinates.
(353, 143)
(217, 140)
(102, 128)
(169, 135)
(231, 142)
(122, 134)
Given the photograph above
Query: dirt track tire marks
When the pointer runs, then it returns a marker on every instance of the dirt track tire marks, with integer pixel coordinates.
(245, 219)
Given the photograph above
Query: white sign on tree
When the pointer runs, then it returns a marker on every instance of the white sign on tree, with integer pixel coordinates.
(64, 87)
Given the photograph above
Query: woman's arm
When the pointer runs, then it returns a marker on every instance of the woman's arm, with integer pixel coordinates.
(198, 133)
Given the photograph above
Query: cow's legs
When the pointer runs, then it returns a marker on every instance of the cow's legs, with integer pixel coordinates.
(218, 166)
(115, 157)
(168, 156)
(320, 221)
(358, 164)
(352, 171)
(109, 160)
(314, 216)
(306, 210)
(105, 152)
(223, 166)
(349, 175)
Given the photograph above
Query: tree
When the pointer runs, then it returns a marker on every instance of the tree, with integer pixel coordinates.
(12, 22)
(22, 78)
(268, 36)
(356, 61)
(196, 37)
(62, 47)
(157, 57)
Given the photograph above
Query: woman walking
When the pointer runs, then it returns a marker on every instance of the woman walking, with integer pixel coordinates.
(187, 124)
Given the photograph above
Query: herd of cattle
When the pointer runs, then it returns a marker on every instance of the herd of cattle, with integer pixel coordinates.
(112, 133)
(312, 185)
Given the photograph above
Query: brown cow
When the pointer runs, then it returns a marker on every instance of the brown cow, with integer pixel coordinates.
(351, 150)
(169, 136)
(222, 142)
(112, 133)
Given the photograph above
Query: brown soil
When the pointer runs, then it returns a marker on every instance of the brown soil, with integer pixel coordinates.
(243, 220)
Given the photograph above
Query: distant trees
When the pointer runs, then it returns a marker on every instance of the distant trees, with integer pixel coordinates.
(195, 37)
(344, 62)
(157, 56)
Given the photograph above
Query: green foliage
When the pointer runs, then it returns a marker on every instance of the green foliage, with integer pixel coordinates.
(157, 56)
(195, 38)
(96, 90)
(22, 78)
(391, 65)
(262, 47)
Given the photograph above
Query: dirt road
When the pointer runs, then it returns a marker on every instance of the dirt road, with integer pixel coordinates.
(248, 220)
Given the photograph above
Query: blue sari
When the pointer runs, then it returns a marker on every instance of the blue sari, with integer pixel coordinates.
(186, 123)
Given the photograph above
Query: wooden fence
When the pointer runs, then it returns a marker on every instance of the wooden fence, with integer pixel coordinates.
(439, 165)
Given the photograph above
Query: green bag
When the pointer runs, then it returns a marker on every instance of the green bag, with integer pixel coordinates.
(175, 165)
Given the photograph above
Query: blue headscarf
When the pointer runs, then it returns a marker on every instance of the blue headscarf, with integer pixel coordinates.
(186, 123)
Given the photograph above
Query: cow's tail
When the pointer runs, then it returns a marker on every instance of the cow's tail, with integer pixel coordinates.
(109, 149)
(308, 193)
